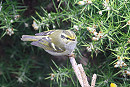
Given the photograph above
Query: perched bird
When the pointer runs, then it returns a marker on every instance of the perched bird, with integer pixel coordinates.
(55, 42)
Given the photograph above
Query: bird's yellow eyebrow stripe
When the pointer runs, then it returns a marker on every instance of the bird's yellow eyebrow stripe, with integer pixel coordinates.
(72, 36)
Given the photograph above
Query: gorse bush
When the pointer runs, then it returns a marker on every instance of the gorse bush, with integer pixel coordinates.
(9, 12)
(102, 28)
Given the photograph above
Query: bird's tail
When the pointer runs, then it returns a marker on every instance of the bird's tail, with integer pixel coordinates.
(31, 38)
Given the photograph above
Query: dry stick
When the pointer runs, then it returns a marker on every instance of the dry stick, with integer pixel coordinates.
(79, 71)
(76, 70)
(84, 77)
(93, 80)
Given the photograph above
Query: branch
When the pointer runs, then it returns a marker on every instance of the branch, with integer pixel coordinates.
(76, 70)
(80, 74)
(93, 80)
(85, 81)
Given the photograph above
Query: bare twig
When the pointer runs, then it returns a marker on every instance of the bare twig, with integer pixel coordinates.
(80, 74)
(76, 70)
(93, 80)
(84, 77)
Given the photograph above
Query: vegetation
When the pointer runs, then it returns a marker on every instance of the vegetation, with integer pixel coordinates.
(102, 28)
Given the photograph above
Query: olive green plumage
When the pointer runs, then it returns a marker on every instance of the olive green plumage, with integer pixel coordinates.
(55, 42)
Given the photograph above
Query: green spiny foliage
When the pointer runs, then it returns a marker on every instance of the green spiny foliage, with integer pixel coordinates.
(102, 30)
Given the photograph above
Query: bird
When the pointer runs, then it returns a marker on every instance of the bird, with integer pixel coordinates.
(55, 42)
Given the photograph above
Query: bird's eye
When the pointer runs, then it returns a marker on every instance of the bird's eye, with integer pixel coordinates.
(67, 38)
